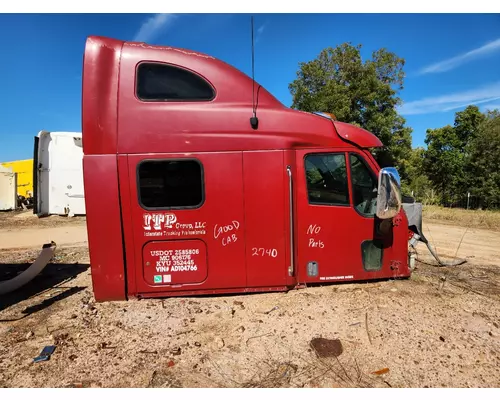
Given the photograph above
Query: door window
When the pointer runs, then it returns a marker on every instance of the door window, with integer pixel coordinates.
(326, 176)
(364, 186)
(170, 184)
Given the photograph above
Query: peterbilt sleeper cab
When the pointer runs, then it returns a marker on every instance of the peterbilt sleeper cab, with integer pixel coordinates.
(186, 195)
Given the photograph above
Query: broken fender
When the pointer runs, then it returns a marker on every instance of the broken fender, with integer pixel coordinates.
(23, 278)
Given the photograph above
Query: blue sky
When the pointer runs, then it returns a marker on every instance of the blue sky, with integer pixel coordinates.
(451, 60)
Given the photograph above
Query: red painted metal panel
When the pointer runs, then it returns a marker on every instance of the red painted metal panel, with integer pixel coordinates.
(398, 261)
(104, 227)
(331, 236)
(219, 222)
(222, 124)
(100, 95)
(358, 136)
(290, 210)
(266, 226)
(209, 292)
(244, 225)
(128, 229)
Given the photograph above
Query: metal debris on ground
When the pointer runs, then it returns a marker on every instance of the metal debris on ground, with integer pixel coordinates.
(271, 310)
(45, 354)
(327, 347)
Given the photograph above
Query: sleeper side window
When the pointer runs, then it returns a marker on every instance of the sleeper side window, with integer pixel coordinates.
(364, 186)
(170, 184)
(326, 177)
(163, 82)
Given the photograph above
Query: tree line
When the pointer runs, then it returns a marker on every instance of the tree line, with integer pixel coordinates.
(460, 159)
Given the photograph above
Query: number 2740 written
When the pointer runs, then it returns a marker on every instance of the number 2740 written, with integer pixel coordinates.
(259, 251)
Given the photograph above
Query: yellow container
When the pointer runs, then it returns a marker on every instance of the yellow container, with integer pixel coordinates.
(24, 169)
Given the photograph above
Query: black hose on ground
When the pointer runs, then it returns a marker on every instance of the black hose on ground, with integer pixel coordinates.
(444, 263)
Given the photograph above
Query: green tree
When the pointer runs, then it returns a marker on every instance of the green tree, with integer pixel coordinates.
(459, 159)
(360, 92)
(444, 160)
(468, 123)
(483, 164)
(417, 182)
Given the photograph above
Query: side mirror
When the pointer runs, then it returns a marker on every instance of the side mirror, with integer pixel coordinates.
(389, 193)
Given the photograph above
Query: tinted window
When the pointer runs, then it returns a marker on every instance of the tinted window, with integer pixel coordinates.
(326, 176)
(163, 82)
(364, 186)
(166, 184)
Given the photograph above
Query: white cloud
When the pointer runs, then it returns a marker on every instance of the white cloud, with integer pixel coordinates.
(454, 62)
(452, 101)
(475, 102)
(153, 26)
(260, 31)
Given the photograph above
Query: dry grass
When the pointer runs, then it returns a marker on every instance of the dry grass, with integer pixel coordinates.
(461, 217)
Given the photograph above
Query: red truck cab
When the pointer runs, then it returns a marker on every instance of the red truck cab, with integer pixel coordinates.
(185, 194)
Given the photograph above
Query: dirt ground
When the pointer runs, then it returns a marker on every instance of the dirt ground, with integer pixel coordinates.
(23, 229)
(440, 328)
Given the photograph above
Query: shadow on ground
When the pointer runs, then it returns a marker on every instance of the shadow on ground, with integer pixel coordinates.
(54, 275)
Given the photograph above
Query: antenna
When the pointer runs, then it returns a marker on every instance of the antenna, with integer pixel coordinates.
(254, 121)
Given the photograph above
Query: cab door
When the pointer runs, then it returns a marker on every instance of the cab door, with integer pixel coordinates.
(338, 236)
(186, 220)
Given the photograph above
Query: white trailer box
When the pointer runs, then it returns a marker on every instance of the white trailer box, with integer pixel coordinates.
(8, 189)
(58, 174)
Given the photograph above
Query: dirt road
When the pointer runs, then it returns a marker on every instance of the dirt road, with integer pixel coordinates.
(25, 230)
(478, 246)
(438, 329)
(36, 237)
